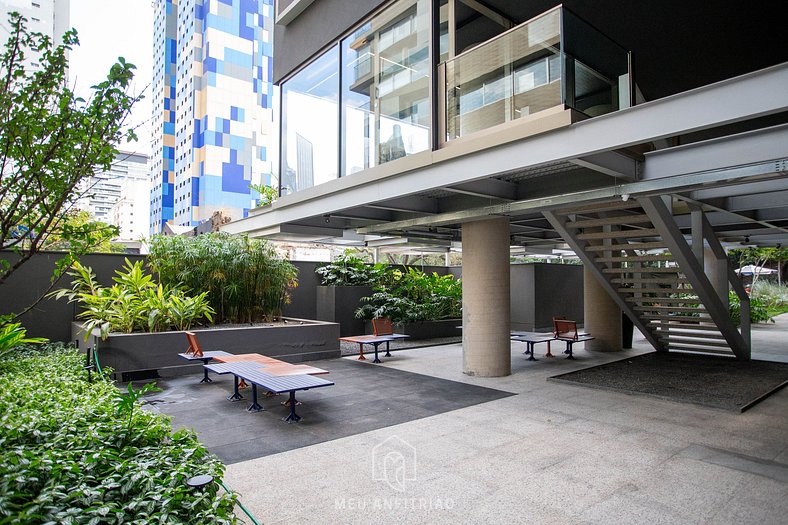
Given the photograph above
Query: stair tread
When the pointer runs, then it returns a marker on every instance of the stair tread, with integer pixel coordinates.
(628, 269)
(682, 333)
(669, 308)
(630, 246)
(636, 258)
(701, 350)
(637, 300)
(676, 317)
(620, 234)
(660, 327)
(609, 221)
(689, 341)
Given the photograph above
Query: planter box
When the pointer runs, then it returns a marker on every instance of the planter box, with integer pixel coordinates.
(338, 304)
(425, 329)
(157, 353)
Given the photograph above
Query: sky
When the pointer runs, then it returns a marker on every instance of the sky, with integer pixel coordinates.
(107, 30)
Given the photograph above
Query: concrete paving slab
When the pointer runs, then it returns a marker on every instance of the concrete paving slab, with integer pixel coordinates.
(550, 454)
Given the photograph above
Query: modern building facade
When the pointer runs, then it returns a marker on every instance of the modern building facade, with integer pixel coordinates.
(213, 101)
(126, 177)
(50, 17)
(643, 136)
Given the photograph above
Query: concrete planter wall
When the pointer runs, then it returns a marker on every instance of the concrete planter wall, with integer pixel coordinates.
(338, 304)
(425, 329)
(158, 352)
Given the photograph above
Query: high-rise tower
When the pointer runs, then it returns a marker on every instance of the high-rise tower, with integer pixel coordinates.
(212, 108)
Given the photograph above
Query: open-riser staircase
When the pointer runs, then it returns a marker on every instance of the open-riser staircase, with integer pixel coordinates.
(656, 276)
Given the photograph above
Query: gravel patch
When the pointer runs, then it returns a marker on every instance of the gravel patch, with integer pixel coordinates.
(712, 381)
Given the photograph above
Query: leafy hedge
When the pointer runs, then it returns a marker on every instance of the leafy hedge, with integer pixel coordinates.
(70, 453)
(349, 270)
(244, 279)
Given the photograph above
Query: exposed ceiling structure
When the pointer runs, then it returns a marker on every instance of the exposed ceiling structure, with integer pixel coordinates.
(736, 170)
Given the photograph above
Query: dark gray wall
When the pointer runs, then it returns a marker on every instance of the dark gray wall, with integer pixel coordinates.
(304, 296)
(50, 318)
(320, 23)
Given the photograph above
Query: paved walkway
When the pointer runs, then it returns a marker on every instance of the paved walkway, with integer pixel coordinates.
(555, 453)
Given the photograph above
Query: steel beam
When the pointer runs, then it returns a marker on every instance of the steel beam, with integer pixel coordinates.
(487, 188)
(748, 96)
(610, 163)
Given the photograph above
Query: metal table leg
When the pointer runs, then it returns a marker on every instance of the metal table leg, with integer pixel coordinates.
(205, 378)
(531, 351)
(236, 395)
(292, 417)
(376, 360)
(255, 406)
(361, 352)
(388, 354)
(569, 350)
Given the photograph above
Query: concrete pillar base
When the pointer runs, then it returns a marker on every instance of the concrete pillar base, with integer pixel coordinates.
(602, 316)
(486, 310)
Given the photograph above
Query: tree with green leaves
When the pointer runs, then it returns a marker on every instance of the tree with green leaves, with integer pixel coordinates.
(50, 141)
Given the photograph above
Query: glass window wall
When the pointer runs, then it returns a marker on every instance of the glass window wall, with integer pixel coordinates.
(310, 125)
(385, 87)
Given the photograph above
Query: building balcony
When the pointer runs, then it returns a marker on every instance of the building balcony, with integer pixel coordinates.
(554, 61)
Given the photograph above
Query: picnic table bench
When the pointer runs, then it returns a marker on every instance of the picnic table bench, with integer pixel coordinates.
(375, 341)
(383, 330)
(256, 375)
(205, 357)
(530, 339)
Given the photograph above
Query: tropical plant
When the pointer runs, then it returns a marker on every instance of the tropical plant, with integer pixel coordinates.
(69, 456)
(50, 141)
(134, 303)
(12, 335)
(758, 311)
(349, 270)
(414, 295)
(773, 296)
(244, 279)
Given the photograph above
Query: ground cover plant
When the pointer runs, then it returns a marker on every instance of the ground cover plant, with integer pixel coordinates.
(79, 451)
(412, 296)
(134, 303)
(773, 296)
(244, 279)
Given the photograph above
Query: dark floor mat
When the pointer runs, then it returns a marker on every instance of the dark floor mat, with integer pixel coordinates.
(365, 397)
(711, 381)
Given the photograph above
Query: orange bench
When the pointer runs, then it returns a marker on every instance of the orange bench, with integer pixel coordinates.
(566, 330)
(383, 333)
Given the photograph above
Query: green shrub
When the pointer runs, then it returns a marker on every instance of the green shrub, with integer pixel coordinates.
(134, 303)
(773, 296)
(412, 296)
(244, 279)
(67, 455)
(758, 311)
(349, 270)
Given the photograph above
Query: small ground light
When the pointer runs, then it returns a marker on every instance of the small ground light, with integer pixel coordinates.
(200, 482)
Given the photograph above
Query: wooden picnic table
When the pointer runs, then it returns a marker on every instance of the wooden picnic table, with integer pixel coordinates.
(375, 341)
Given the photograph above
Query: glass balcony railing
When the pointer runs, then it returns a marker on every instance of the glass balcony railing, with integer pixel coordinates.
(553, 60)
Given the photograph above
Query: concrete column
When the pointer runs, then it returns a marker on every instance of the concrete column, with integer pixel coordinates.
(486, 347)
(717, 272)
(602, 316)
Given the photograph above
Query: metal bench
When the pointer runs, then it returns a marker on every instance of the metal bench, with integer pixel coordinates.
(233, 368)
(566, 330)
(252, 373)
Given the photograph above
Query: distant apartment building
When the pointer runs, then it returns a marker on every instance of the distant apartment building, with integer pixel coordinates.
(124, 181)
(212, 100)
(131, 212)
(50, 17)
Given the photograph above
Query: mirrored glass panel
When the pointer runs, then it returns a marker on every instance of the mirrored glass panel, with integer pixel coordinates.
(310, 125)
(385, 87)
